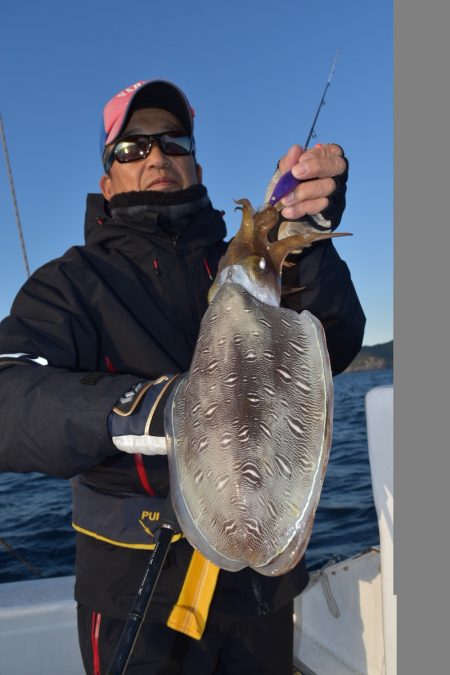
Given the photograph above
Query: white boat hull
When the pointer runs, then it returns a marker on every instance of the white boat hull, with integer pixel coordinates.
(380, 435)
(338, 619)
(38, 628)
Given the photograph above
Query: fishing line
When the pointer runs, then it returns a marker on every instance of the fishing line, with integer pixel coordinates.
(10, 549)
(14, 199)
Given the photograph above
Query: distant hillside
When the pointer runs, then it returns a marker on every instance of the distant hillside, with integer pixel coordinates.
(373, 358)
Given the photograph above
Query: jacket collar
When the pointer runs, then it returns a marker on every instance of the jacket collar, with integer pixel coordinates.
(136, 219)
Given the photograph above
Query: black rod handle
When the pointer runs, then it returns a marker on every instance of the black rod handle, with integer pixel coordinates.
(124, 649)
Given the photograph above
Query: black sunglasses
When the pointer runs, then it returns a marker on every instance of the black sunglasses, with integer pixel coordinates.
(138, 147)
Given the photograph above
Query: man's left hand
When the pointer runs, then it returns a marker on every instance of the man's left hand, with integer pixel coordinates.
(316, 166)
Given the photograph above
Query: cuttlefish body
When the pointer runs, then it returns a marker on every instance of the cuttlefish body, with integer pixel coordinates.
(249, 426)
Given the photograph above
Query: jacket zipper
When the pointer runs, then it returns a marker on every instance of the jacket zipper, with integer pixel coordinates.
(187, 277)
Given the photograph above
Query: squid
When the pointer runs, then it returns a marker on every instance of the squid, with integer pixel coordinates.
(249, 426)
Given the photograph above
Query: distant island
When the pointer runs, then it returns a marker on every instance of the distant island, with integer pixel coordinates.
(373, 358)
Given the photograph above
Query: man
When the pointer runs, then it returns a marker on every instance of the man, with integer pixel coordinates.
(90, 352)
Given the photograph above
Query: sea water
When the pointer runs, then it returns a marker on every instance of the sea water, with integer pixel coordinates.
(35, 510)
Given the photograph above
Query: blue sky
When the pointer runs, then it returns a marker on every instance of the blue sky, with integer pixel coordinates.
(254, 72)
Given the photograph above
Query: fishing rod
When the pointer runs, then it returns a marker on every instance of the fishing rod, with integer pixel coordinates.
(13, 194)
(288, 181)
(312, 133)
(168, 526)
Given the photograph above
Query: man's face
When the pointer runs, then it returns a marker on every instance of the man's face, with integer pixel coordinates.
(160, 172)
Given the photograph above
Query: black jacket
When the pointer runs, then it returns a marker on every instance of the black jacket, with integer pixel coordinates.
(124, 307)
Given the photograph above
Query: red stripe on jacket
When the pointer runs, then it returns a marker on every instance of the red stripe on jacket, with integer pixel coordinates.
(138, 459)
(95, 632)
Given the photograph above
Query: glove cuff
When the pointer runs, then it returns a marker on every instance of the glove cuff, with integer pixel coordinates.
(140, 410)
